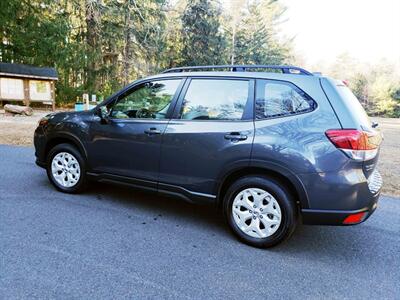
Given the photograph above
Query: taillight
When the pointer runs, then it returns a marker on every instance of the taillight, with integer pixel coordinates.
(357, 144)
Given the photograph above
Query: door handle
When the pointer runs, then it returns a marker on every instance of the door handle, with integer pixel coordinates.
(152, 131)
(235, 136)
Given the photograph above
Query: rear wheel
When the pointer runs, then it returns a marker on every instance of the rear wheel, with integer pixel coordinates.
(260, 211)
(66, 168)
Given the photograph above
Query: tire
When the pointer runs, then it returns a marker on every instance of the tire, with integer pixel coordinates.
(273, 207)
(74, 179)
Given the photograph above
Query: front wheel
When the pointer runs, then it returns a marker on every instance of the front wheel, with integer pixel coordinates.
(66, 168)
(260, 211)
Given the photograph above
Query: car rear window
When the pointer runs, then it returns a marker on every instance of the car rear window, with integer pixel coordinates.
(356, 108)
(280, 98)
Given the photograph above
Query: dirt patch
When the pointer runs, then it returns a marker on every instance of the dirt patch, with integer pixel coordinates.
(19, 131)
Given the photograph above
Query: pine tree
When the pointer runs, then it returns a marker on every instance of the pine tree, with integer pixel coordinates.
(203, 41)
(99, 45)
(255, 43)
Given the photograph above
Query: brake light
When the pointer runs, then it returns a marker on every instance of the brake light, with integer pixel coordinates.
(350, 139)
(357, 144)
(355, 219)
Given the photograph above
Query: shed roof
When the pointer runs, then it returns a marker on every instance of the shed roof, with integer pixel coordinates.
(19, 70)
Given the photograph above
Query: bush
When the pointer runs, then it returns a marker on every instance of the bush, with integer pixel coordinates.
(385, 96)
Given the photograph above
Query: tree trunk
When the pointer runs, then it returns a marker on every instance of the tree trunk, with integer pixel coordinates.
(92, 42)
(127, 46)
(233, 45)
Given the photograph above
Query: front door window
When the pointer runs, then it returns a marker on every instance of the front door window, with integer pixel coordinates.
(150, 100)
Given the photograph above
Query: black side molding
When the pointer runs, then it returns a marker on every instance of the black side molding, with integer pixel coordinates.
(162, 188)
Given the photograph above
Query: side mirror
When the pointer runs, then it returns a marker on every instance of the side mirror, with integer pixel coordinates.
(104, 114)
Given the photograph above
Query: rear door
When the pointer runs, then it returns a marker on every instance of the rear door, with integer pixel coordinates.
(211, 131)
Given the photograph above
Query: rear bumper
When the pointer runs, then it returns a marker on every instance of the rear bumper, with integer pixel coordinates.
(336, 217)
(334, 196)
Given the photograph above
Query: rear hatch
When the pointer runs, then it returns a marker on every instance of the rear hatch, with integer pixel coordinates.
(359, 137)
(373, 136)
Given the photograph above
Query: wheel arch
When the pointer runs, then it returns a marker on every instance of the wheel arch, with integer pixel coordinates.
(290, 180)
(64, 138)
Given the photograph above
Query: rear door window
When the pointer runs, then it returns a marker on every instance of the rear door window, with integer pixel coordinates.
(215, 99)
(279, 98)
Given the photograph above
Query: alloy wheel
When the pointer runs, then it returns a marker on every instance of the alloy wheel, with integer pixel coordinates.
(65, 169)
(256, 212)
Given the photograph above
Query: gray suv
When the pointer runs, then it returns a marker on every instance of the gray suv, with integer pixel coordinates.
(270, 146)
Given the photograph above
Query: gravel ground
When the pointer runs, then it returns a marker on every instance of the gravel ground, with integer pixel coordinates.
(389, 159)
(114, 243)
(19, 130)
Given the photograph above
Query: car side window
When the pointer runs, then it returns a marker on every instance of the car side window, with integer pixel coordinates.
(215, 99)
(149, 100)
(278, 98)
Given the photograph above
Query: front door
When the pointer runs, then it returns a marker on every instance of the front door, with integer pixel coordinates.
(212, 131)
(129, 143)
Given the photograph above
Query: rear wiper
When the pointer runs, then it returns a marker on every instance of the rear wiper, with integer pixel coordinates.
(374, 124)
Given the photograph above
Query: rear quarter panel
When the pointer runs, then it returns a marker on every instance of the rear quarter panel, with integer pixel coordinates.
(298, 142)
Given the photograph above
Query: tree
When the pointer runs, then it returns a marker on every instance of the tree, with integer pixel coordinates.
(203, 40)
(384, 92)
(136, 31)
(171, 56)
(31, 32)
(97, 46)
(256, 41)
(358, 83)
(232, 19)
(93, 10)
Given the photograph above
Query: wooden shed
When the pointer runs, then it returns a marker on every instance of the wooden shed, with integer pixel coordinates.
(27, 84)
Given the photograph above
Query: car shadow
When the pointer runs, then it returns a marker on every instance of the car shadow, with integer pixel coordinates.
(336, 243)
(307, 241)
(155, 204)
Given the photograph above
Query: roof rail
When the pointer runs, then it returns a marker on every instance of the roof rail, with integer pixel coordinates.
(242, 68)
